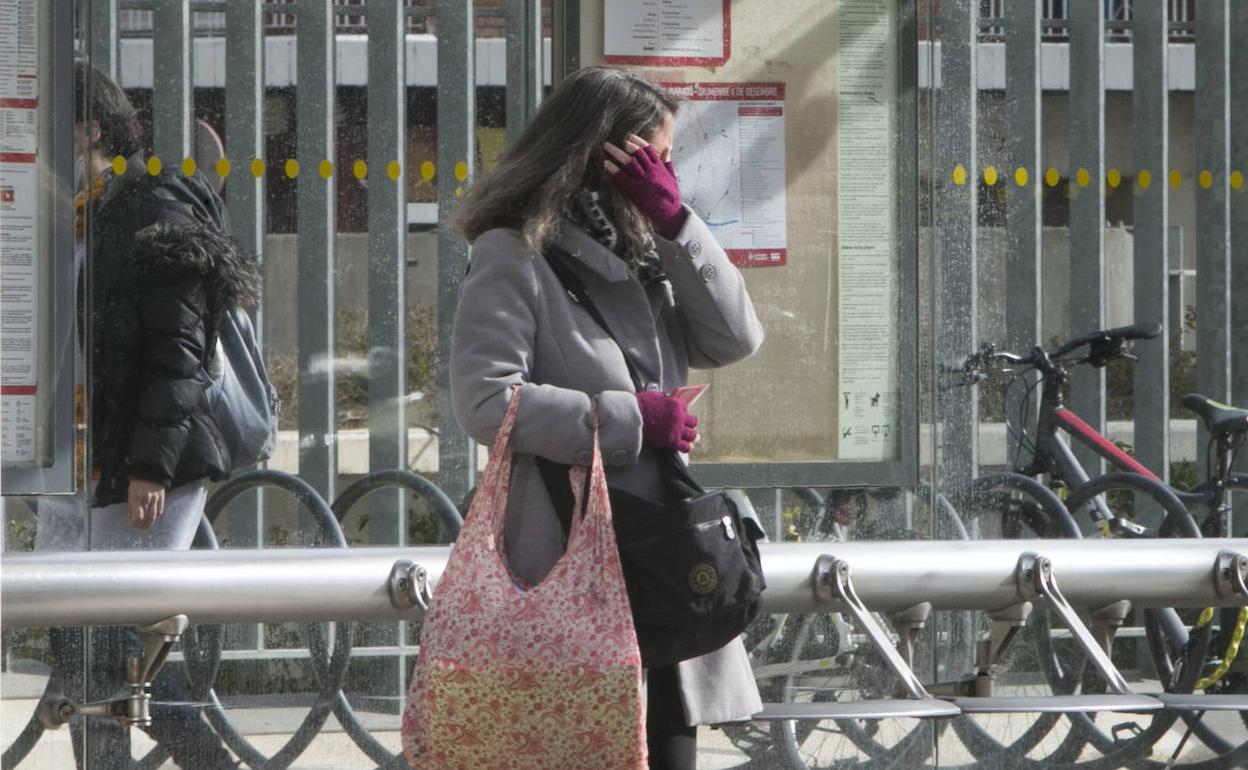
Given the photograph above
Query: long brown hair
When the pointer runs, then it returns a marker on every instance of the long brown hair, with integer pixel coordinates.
(561, 153)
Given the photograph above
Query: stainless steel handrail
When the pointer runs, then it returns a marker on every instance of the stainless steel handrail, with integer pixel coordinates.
(287, 585)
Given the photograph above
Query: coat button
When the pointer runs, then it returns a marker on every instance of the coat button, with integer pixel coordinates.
(707, 272)
(619, 457)
(694, 248)
(583, 457)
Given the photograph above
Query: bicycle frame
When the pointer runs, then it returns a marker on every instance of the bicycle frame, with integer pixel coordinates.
(1055, 457)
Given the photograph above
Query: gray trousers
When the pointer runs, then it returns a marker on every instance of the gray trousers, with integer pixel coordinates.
(180, 730)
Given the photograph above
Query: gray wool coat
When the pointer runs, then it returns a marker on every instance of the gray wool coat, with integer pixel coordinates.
(516, 326)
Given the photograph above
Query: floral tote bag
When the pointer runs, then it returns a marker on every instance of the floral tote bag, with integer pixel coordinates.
(515, 677)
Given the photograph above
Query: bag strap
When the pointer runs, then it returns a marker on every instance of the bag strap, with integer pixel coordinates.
(555, 475)
(575, 287)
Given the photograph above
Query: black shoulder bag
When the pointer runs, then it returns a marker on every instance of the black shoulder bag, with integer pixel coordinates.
(691, 563)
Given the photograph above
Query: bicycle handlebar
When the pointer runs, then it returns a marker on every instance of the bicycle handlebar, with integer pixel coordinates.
(1106, 345)
(1146, 330)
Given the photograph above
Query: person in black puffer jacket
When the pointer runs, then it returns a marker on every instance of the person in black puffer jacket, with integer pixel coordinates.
(161, 272)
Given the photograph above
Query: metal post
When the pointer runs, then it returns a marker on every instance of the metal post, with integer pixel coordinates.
(105, 42)
(1023, 186)
(387, 261)
(387, 303)
(1150, 119)
(565, 39)
(171, 82)
(957, 208)
(456, 164)
(244, 143)
(524, 63)
(1239, 229)
(1087, 208)
(1213, 236)
(316, 223)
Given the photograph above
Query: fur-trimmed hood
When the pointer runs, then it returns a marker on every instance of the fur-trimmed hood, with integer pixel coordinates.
(230, 273)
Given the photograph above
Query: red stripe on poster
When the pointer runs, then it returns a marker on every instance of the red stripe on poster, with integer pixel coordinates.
(17, 157)
(17, 390)
(758, 257)
(20, 104)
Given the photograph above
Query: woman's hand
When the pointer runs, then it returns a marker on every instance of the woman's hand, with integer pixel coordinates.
(666, 422)
(145, 503)
(649, 182)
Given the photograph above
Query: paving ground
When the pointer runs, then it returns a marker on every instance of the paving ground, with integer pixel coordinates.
(269, 726)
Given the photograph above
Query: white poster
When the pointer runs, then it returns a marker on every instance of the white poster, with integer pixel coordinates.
(867, 231)
(729, 156)
(19, 223)
(667, 33)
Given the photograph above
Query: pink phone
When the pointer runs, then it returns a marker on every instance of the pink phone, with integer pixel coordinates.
(690, 393)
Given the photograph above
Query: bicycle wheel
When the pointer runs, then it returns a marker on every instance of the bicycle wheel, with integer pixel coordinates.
(823, 657)
(1179, 657)
(1013, 506)
(829, 660)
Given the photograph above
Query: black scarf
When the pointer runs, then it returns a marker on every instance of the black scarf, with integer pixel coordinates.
(587, 211)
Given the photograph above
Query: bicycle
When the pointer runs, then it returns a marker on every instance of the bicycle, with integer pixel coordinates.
(1109, 503)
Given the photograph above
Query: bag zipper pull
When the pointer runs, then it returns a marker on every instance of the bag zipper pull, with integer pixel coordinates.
(729, 532)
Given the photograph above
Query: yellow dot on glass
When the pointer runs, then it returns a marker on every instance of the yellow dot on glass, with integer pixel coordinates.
(1082, 177)
(427, 171)
(153, 166)
(1051, 177)
(1176, 179)
(1145, 179)
(188, 167)
(119, 165)
(459, 192)
(359, 169)
(292, 168)
(1113, 178)
(326, 168)
(1206, 180)
(990, 176)
(461, 171)
(959, 175)
(257, 168)
(1237, 180)
(1020, 176)
(223, 168)
(393, 170)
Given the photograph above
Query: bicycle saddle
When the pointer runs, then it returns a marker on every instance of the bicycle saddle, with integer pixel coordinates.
(1219, 418)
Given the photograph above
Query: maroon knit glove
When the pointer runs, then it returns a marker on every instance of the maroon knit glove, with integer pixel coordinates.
(650, 183)
(666, 422)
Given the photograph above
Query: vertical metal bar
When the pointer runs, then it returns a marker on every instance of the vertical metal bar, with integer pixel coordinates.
(316, 224)
(1022, 181)
(1213, 219)
(907, 265)
(1087, 208)
(524, 63)
(105, 43)
(1239, 230)
(456, 161)
(957, 166)
(1150, 117)
(387, 302)
(387, 262)
(565, 39)
(171, 81)
(244, 142)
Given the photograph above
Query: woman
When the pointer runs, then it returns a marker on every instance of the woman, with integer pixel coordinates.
(162, 272)
(592, 177)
